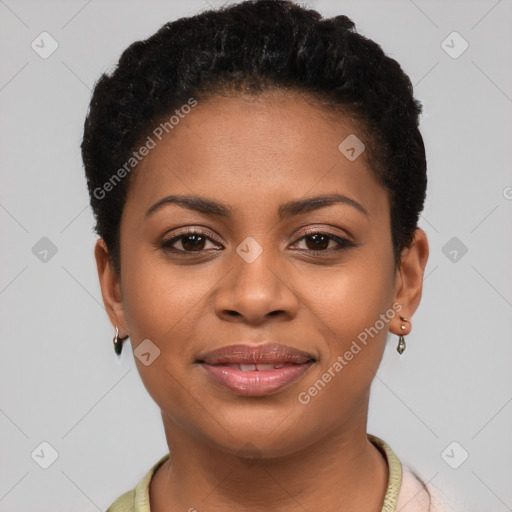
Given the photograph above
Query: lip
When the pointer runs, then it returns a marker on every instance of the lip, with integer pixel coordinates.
(256, 370)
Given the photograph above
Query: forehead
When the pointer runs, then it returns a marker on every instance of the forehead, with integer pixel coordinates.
(246, 149)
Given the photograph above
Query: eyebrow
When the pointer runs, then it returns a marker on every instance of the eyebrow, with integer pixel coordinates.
(297, 207)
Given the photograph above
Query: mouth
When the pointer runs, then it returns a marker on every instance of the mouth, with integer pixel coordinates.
(256, 370)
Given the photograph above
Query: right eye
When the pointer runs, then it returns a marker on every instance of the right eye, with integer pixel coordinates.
(191, 241)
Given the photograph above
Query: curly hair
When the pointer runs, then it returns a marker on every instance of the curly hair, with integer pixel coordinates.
(251, 47)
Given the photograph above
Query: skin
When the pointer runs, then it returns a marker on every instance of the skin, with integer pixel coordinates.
(231, 452)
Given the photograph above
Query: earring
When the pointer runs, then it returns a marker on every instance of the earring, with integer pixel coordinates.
(401, 340)
(118, 343)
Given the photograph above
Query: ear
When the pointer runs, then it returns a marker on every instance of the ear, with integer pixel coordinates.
(110, 288)
(409, 280)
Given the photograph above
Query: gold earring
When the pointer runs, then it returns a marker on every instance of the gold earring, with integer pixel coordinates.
(401, 340)
(118, 343)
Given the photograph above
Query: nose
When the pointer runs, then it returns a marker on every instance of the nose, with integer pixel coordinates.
(254, 292)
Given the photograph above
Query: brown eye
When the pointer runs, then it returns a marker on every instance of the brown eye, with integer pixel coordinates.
(317, 242)
(189, 242)
(193, 242)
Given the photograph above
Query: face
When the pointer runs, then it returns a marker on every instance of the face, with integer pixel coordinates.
(286, 264)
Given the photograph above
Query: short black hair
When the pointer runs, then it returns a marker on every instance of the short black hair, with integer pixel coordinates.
(251, 47)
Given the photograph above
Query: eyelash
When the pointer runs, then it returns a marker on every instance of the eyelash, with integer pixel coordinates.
(344, 243)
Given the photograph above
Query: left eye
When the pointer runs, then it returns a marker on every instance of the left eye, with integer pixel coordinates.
(321, 242)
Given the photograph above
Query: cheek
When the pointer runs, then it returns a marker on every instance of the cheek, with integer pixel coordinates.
(353, 309)
(157, 297)
(158, 302)
(350, 300)
(163, 304)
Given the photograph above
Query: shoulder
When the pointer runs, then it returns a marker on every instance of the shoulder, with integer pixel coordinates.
(125, 503)
(137, 500)
(406, 491)
(417, 496)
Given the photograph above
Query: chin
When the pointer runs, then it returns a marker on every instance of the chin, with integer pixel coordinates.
(256, 437)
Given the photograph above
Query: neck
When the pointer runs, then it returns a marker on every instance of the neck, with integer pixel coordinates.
(343, 471)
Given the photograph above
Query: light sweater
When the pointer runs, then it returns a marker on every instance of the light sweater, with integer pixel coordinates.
(404, 493)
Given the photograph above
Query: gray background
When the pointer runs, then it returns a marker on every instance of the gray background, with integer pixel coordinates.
(60, 381)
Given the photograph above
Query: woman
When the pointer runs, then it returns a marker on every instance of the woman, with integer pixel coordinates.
(256, 175)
